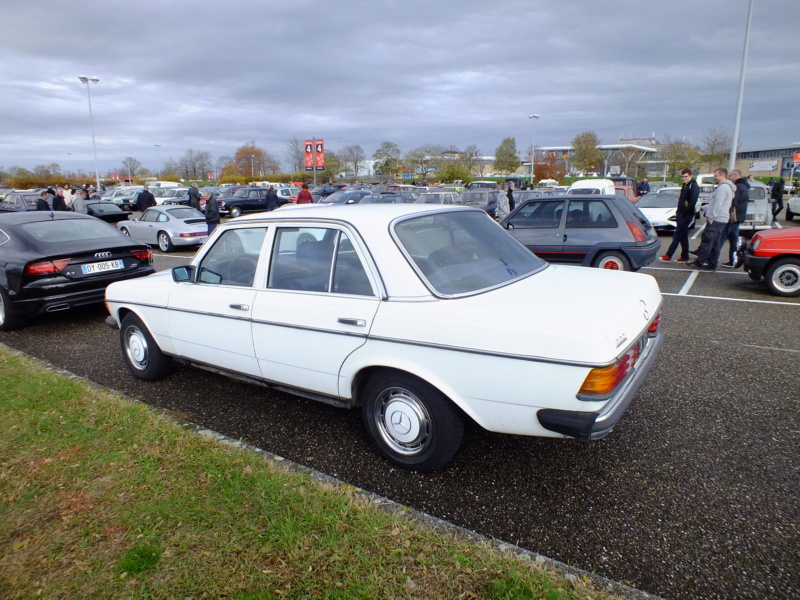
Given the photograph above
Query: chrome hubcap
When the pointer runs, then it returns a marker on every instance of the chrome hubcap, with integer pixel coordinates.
(136, 348)
(403, 421)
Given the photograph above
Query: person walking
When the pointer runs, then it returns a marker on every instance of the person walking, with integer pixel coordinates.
(777, 198)
(145, 199)
(272, 199)
(684, 215)
(194, 197)
(643, 187)
(212, 211)
(59, 203)
(502, 208)
(717, 215)
(304, 196)
(738, 216)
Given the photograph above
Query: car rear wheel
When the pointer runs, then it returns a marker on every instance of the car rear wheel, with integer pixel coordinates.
(413, 425)
(235, 212)
(783, 277)
(8, 320)
(614, 261)
(142, 355)
(164, 241)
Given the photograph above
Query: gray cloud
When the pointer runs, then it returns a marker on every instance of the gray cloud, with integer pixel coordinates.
(217, 75)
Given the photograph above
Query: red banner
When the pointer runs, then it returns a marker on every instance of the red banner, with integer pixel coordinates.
(314, 152)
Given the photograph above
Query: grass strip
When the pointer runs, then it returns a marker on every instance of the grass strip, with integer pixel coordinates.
(102, 497)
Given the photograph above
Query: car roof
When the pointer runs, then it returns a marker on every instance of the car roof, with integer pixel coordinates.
(361, 216)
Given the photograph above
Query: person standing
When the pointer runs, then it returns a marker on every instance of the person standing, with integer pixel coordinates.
(502, 208)
(272, 199)
(777, 198)
(684, 215)
(58, 200)
(643, 187)
(717, 215)
(145, 199)
(212, 211)
(42, 203)
(194, 197)
(510, 196)
(738, 216)
(304, 197)
(68, 195)
(79, 204)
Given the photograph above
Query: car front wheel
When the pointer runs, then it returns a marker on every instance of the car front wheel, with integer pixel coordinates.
(142, 355)
(235, 212)
(413, 425)
(164, 241)
(783, 277)
(614, 261)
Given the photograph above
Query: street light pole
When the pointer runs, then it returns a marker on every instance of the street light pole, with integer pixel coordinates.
(86, 80)
(252, 167)
(69, 161)
(158, 156)
(533, 144)
(735, 142)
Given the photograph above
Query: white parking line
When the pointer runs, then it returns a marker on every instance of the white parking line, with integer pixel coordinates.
(698, 233)
(796, 305)
(689, 283)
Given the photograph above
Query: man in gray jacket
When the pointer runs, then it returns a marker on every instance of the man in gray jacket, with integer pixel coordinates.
(718, 212)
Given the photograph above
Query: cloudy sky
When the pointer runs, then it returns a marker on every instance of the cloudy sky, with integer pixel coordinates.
(211, 76)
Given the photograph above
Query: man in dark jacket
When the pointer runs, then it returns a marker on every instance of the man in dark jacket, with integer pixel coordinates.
(272, 199)
(684, 214)
(42, 202)
(145, 199)
(59, 202)
(194, 197)
(212, 211)
(777, 197)
(738, 216)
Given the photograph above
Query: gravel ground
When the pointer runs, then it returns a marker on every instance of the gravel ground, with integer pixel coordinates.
(693, 495)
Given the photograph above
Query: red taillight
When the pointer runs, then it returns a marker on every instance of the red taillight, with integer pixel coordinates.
(194, 234)
(638, 234)
(46, 267)
(145, 255)
(652, 331)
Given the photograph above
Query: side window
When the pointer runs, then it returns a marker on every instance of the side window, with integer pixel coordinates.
(162, 218)
(233, 258)
(539, 214)
(302, 258)
(589, 214)
(149, 216)
(349, 275)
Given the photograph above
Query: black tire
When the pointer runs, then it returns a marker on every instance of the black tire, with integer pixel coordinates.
(140, 351)
(613, 261)
(8, 319)
(164, 242)
(125, 231)
(431, 427)
(754, 277)
(789, 214)
(783, 277)
(236, 211)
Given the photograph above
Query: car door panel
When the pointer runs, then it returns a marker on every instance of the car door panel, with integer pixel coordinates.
(538, 224)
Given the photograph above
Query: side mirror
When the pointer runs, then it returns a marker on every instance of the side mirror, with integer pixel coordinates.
(131, 218)
(184, 273)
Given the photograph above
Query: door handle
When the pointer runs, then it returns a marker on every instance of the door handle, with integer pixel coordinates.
(356, 322)
(239, 306)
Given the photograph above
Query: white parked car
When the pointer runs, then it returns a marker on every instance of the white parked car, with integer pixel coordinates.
(660, 209)
(423, 316)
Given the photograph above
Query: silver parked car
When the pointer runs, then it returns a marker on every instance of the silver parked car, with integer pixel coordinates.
(168, 226)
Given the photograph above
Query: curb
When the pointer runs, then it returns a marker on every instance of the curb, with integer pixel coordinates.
(572, 574)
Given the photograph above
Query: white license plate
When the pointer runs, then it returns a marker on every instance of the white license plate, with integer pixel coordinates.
(109, 265)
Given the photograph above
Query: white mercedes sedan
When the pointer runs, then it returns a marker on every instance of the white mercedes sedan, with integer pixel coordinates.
(423, 316)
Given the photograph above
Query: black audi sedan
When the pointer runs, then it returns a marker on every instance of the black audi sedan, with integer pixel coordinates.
(54, 261)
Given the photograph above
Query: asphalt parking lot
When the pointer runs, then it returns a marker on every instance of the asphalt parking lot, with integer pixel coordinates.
(693, 495)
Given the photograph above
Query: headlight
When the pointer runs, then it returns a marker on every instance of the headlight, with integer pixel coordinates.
(756, 243)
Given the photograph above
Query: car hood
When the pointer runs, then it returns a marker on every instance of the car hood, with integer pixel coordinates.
(658, 213)
(563, 313)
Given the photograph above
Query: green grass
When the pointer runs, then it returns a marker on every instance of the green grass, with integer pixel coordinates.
(101, 497)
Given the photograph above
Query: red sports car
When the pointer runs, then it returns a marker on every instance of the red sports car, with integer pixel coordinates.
(774, 255)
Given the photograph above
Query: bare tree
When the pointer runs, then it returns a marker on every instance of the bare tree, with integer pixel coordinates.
(678, 154)
(194, 165)
(295, 155)
(351, 156)
(716, 147)
(131, 167)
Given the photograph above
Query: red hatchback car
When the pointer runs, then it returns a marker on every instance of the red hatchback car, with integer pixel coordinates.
(774, 255)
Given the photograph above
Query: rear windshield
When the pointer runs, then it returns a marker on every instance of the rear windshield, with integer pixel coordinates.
(69, 230)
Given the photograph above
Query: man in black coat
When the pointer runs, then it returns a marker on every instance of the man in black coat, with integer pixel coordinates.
(194, 197)
(212, 211)
(684, 214)
(42, 203)
(272, 199)
(145, 199)
(777, 197)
